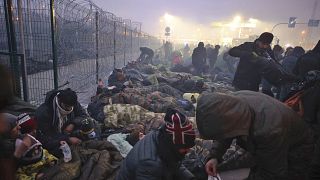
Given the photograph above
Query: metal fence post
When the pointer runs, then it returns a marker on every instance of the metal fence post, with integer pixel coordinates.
(6, 9)
(12, 46)
(139, 36)
(23, 51)
(24, 79)
(125, 45)
(53, 43)
(30, 39)
(131, 45)
(97, 46)
(114, 44)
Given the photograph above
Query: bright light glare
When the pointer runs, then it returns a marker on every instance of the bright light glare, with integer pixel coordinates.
(168, 17)
(252, 20)
(288, 45)
(237, 19)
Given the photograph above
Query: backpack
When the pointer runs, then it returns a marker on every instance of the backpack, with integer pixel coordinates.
(295, 102)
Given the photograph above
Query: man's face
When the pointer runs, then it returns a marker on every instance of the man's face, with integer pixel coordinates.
(120, 76)
(66, 107)
(263, 45)
(14, 133)
(184, 151)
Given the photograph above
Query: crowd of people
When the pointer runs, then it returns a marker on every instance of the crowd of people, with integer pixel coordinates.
(272, 112)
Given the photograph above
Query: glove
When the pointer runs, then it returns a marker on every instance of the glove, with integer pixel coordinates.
(254, 57)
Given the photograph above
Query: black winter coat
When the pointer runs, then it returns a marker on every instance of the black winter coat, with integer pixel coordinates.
(144, 162)
(307, 62)
(247, 76)
(147, 51)
(47, 132)
(199, 57)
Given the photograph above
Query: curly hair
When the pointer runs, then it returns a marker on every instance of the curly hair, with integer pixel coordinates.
(68, 97)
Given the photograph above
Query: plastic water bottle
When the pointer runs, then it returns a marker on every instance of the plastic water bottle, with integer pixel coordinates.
(67, 156)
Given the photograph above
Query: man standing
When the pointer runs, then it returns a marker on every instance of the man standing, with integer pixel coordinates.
(167, 50)
(199, 57)
(186, 52)
(288, 64)
(213, 55)
(308, 62)
(247, 76)
(157, 156)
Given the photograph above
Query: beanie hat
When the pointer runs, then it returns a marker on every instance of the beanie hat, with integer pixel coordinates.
(179, 129)
(87, 126)
(26, 123)
(266, 38)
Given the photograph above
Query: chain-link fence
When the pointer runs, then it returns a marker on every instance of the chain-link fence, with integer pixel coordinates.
(67, 43)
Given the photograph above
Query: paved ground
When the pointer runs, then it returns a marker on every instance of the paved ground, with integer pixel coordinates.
(238, 174)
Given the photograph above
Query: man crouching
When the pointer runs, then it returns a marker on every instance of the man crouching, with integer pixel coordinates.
(157, 156)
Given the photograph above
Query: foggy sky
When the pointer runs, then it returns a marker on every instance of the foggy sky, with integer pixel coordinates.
(206, 11)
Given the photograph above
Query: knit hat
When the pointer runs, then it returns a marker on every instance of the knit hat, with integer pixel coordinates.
(179, 129)
(26, 123)
(87, 126)
(11, 120)
(266, 38)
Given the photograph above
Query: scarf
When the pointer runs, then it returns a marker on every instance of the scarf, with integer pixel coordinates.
(60, 116)
(167, 151)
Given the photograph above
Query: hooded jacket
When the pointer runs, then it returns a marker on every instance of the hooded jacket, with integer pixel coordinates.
(47, 127)
(273, 131)
(308, 62)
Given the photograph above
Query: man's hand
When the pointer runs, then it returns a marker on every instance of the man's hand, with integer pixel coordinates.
(211, 167)
(69, 128)
(39, 176)
(23, 146)
(74, 140)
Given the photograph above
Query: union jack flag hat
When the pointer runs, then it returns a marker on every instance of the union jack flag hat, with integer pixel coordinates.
(179, 129)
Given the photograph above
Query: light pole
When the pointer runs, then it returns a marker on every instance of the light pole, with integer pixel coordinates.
(303, 38)
(276, 26)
